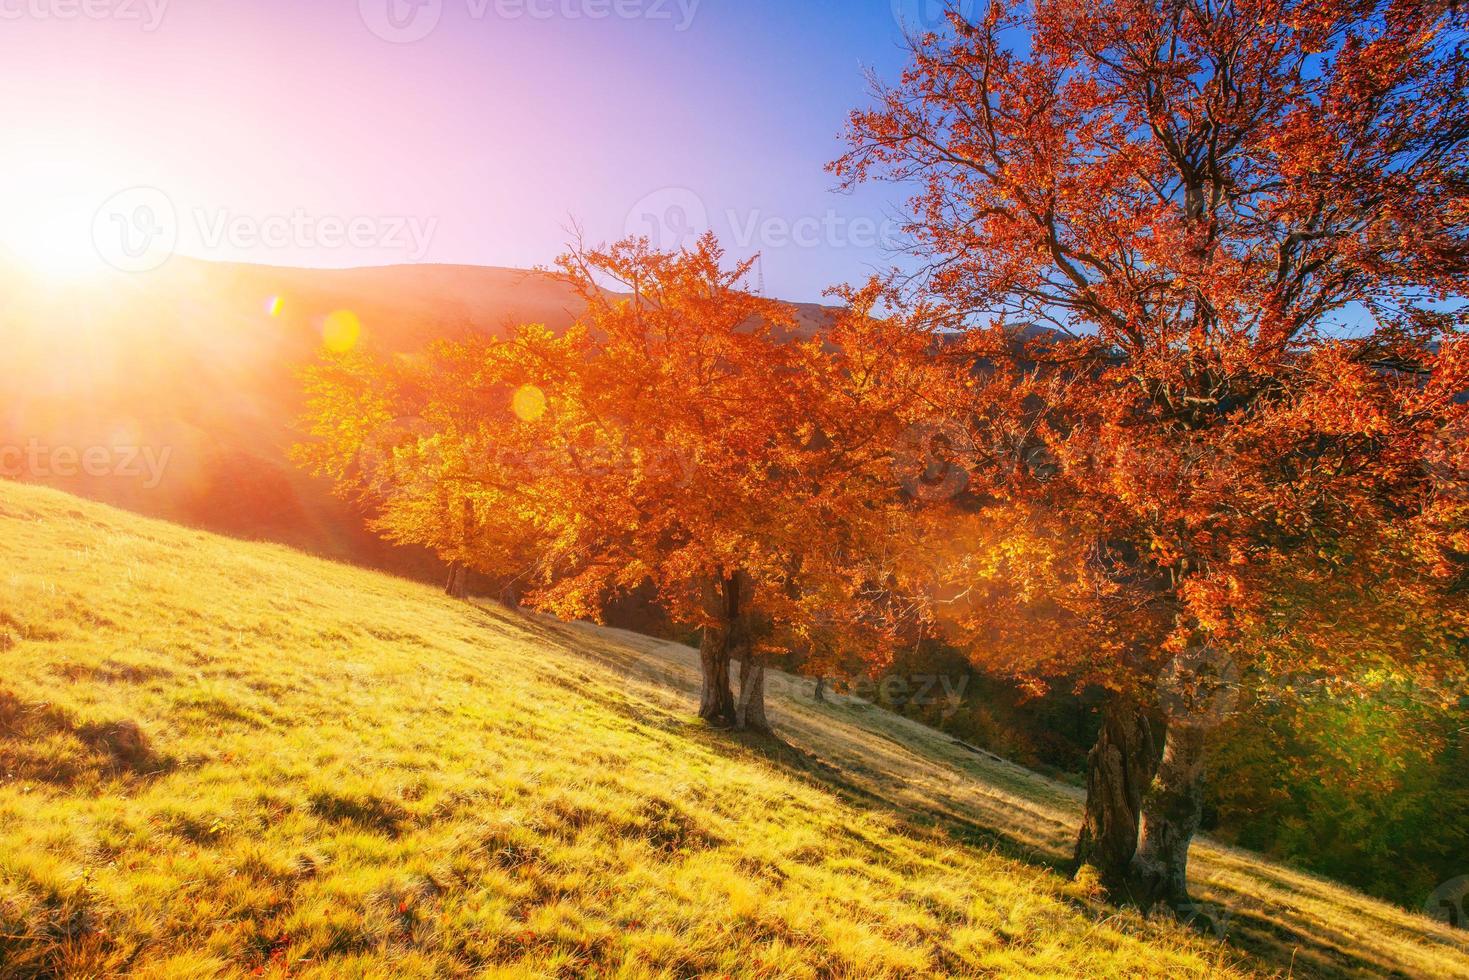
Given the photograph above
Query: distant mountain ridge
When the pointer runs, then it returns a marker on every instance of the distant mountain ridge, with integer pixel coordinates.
(192, 370)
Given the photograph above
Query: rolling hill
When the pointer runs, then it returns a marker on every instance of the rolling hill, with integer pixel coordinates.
(195, 365)
(221, 758)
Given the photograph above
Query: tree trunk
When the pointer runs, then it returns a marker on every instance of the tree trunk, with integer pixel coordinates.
(716, 701)
(458, 585)
(720, 639)
(1119, 768)
(821, 689)
(1171, 815)
(751, 714)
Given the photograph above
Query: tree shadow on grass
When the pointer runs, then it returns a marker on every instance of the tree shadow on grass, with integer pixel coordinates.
(815, 771)
(1260, 930)
(1264, 943)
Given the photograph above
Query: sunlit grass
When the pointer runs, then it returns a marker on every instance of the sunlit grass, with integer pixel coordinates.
(221, 758)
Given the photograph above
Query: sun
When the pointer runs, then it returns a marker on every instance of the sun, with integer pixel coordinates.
(51, 236)
(49, 197)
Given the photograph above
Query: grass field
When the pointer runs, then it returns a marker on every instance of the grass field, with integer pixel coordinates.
(220, 759)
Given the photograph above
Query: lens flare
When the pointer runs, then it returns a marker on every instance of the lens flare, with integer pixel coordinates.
(529, 403)
(341, 331)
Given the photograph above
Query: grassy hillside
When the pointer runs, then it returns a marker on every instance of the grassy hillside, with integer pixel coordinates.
(220, 758)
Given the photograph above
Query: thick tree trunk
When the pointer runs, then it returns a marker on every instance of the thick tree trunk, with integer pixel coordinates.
(751, 706)
(1119, 769)
(1172, 811)
(821, 689)
(716, 700)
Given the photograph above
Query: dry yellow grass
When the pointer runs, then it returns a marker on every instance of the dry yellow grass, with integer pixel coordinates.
(220, 758)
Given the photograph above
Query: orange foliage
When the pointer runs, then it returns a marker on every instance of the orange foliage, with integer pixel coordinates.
(679, 433)
(1234, 237)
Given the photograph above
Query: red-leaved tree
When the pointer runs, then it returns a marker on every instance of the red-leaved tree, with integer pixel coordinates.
(680, 435)
(1227, 442)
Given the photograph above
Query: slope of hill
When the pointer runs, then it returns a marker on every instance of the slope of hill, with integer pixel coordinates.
(219, 758)
(192, 369)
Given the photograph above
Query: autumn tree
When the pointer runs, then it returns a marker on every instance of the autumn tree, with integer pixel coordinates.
(681, 433)
(376, 431)
(1211, 260)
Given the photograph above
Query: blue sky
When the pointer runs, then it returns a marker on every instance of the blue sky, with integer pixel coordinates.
(491, 124)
